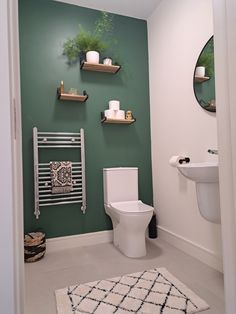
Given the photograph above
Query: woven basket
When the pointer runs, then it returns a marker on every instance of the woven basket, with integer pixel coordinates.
(35, 246)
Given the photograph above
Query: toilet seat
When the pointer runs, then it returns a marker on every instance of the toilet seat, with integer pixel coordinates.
(131, 207)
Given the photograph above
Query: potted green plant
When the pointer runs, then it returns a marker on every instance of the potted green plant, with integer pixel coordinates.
(90, 43)
(205, 64)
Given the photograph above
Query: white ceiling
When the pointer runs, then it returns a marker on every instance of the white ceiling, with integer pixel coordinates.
(140, 9)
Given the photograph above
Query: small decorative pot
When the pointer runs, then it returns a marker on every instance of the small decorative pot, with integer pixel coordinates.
(92, 57)
(73, 91)
(200, 71)
(107, 61)
(128, 115)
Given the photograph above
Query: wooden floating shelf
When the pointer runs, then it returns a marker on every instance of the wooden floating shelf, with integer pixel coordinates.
(99, 67)
(117, 121)
(210, 108)
(72, 97)
(200, 79)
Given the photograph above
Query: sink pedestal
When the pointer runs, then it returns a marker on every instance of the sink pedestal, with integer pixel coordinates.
(209, 201)
(206, 177)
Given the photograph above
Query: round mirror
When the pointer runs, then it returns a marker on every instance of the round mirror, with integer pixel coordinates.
(204, 78)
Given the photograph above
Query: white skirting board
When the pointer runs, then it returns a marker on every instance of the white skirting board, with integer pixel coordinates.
(191, 248)
(78, 240)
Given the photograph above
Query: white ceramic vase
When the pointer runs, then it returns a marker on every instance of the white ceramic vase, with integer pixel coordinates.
(200, 71)
(92, 57)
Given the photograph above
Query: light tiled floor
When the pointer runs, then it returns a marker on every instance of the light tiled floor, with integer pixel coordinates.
(60, 269)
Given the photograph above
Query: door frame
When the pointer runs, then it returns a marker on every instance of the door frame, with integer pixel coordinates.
(224, 13)
(11, 222)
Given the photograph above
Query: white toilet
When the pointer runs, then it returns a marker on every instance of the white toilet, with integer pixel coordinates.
(130, 217)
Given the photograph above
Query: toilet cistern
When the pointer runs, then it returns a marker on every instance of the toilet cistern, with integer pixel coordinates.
(130, 216)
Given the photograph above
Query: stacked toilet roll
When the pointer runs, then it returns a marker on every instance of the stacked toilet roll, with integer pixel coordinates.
(114, 111)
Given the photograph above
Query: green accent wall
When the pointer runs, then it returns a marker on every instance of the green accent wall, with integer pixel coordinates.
(44, 26)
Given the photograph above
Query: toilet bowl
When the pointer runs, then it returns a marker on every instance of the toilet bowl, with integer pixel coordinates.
(130, 216)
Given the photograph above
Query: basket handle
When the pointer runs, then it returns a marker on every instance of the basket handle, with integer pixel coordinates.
(30, 235)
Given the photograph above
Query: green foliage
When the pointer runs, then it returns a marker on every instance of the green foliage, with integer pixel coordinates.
(86, 41)
(206, 58)
(104, 25)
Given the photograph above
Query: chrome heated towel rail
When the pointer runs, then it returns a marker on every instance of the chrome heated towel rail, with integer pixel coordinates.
(42, 177)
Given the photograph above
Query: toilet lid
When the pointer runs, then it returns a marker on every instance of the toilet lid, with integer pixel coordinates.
(132, 207)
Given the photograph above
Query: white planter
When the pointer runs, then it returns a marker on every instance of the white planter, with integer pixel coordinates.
(200, 71)
(92, 57)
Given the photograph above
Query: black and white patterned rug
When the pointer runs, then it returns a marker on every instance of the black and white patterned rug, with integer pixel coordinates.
(152, 291)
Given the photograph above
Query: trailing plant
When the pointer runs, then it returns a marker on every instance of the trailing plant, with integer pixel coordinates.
(84, 41)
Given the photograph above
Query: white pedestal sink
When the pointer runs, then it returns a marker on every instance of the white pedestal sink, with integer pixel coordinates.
(206, 177)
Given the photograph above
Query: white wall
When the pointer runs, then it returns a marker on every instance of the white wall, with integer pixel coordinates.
(177, 31)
